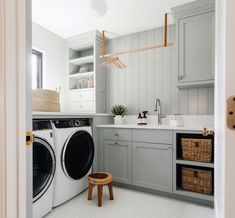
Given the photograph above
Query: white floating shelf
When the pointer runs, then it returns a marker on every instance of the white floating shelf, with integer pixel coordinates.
(83, 60)
(83, 46)
(82, 75)
(82, 89)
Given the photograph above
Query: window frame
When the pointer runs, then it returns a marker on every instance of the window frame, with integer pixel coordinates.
(40, 68)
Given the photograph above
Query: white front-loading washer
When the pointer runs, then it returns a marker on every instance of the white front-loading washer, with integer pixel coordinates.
(44, 165)
(74, 148)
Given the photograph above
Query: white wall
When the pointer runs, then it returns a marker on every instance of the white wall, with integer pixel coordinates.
(152, 74)
(55, 55)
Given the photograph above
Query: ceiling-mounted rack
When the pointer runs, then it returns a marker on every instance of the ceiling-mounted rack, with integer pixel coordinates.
(112, 59)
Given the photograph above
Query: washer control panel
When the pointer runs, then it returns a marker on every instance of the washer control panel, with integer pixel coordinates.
(68, 123)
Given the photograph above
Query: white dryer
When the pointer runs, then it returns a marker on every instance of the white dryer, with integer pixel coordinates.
(44, 165)
(74, 148)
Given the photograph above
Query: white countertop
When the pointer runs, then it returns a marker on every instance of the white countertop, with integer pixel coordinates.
(151, 126)
(54, 115)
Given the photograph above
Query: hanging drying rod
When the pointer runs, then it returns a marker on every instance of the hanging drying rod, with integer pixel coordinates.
(166, 44)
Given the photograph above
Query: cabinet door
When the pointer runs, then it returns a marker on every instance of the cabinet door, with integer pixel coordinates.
(152, 166)
(196, 48)
(117, 160)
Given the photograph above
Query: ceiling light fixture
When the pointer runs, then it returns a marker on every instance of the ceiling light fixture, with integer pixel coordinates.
(98, 7)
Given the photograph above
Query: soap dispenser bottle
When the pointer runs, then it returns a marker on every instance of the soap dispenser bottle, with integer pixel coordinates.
(139, 119)
(144, 119)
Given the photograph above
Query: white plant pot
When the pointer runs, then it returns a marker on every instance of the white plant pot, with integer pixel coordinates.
(118, 120)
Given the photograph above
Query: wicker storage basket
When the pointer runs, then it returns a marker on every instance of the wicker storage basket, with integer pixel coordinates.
(45, 100)
(196, 180)
(197, 149)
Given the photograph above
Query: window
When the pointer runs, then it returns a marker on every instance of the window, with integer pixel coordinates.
(36, 69)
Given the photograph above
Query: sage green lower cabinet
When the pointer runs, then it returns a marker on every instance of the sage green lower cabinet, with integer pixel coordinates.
(117, 160)
(152, 166)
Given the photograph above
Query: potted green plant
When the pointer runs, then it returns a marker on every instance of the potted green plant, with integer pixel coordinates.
(118, 111)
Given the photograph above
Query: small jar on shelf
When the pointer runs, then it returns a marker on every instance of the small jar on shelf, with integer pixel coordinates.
(90, 83)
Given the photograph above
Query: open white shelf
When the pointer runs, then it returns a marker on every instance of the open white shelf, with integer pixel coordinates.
(84, 49)
(82, 75)
(194, 163)
(82, 60)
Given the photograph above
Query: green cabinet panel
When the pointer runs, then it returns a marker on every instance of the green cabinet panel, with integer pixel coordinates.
(152, 166)
(117, 160)
(195, 27)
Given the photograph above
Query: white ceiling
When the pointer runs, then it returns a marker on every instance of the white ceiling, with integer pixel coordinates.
(71, 17)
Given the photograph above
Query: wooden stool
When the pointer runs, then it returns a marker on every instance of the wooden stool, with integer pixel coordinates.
(100, 179)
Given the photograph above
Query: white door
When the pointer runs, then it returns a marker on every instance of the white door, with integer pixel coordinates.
(225, 87)
(15, 109)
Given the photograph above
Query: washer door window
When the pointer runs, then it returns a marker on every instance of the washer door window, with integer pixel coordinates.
(43, 167)
(78, 155)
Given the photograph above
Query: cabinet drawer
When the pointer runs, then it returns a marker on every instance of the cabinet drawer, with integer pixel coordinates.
(85, 106)
(81, 95)
(153, 136)
(118, 134)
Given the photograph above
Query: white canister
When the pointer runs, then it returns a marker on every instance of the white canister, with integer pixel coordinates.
(118, 120)
(177, 120)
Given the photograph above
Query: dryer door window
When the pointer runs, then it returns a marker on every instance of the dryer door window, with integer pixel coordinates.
(78, 155)
(43, 167)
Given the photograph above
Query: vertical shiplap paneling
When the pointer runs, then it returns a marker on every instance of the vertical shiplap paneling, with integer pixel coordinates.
(114, 78)
(174, 77)
(128, 76)
(202, 101)
(192, 101)
(134, 92)
(150, 72)
(150, 75)
(142, 73)
(210, 101)
(121, 73)
(183, 101)
(166, 100)
(108, 80)
(158, 69)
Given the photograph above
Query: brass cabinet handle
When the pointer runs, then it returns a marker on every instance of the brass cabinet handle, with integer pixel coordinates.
(180, 77)
(29, 138)
(116, 143)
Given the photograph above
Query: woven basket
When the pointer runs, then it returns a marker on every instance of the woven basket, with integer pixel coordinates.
(196, 180)
(197, 149)
(45, 100)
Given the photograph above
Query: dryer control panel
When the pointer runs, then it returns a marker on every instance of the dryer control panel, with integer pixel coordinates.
(62, 124)
(41, 125)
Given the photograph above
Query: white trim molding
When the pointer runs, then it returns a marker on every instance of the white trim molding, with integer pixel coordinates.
(2, 111)
(14, 65)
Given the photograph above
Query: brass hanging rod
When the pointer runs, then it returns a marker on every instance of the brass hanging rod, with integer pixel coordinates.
(164, 45)
(135, 50)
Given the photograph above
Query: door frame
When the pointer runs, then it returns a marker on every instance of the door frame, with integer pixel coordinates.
(2, 114)
(224, 87)
(15, 44)
(15, 108)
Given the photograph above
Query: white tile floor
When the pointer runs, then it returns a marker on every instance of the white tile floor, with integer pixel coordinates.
(130, 204)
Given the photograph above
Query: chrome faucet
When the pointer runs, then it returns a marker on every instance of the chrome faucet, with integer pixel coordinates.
(158, 110)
